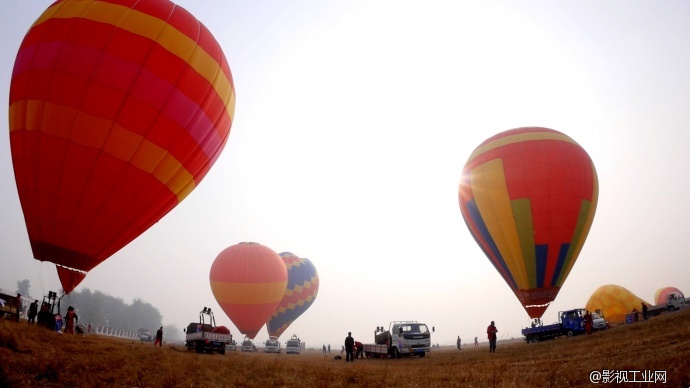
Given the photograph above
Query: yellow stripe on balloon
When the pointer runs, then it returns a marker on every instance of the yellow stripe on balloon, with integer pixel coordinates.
(145, 25)
(491, 195)
(248, 293)
(517, 138)
(147, 156)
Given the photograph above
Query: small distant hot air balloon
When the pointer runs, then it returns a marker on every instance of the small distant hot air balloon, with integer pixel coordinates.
(117, 111)
(301, 291)
(528, 197)
(248, 280)
(614, 302)
(661, 295)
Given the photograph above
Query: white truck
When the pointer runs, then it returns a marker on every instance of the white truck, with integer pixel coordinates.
(247, 345)
(293, 345)
(207, 337)
(272, 345)
(403, 338)
(674, 302)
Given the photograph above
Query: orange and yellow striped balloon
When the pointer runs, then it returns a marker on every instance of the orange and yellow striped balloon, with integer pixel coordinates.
(248, 281)
(117, 111)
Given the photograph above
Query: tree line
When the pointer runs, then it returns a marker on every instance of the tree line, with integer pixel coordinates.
(102, 310)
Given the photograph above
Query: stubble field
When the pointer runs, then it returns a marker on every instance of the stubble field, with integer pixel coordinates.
(34, 357)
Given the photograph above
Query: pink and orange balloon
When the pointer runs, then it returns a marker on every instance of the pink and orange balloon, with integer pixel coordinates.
(117, 111)
(248, 281)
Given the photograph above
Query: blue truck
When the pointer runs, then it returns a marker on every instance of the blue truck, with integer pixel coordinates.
(570, 323)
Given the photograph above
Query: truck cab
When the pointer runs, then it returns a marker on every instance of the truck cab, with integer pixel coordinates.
(247, 345)
(293, 345)
(272, 345)
(409, 338)
(674, 301)
(572, 322)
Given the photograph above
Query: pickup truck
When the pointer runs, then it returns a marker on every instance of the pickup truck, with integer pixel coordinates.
(272, 345)
(570, 323)
(403, 338)
(293, 345)
(205, 337)
(248, 345)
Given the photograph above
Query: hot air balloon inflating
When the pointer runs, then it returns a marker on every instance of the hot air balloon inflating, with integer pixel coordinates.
(117, 111)
(528, 197)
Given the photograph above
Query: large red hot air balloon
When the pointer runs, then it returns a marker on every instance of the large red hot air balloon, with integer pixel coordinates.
(248, 280)
(300, 293)
(528, 197)
(118, 109)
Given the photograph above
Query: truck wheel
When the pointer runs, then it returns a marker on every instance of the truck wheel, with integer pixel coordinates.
(570, 333)
(395, 353)
(199, 348)
(535, 339)
(422, 354)
(222, 350)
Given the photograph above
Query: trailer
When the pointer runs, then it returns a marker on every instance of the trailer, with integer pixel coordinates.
(570, 323)
(205, 337)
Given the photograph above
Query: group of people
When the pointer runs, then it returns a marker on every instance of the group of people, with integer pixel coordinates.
(352, 346)
(353, 349)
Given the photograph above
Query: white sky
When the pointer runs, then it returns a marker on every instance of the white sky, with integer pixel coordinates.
(353, 122)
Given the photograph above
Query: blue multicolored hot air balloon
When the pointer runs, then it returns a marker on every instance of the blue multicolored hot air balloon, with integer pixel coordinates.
(528, 196)
(302, 287)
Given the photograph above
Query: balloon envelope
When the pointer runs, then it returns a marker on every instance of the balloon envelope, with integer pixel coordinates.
(528, 197)
(301, 291)
(614, 302)
(117, 110)
(248, 280)
(661, 295)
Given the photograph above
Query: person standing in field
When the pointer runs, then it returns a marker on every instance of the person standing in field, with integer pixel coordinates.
(588, 322)
(324, 349)
(645, 315)
(159, 338)
(33, 311)
(70, 319)
(491, 332)
(18, 302)
(349, 344)
(458, 343)
(476, 342)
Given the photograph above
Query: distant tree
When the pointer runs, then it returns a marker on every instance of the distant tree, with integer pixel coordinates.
(100, 309)
(172, 333)
(23, 287)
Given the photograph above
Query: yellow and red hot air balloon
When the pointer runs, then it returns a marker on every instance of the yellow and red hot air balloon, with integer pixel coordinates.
(248, 280)
(300, 293)
(528, 197)
(614, 302)
(661, 295)
(117, 111)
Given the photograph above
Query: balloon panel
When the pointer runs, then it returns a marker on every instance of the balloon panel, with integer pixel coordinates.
(614, 302)
(118, 109)
(528, 197)
(301, 291)
(248, 281)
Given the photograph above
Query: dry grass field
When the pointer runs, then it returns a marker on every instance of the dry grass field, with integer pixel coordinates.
(34, 357)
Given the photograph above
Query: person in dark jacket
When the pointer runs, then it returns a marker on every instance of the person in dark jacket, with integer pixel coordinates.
(159, 338)
(349, 345)
(491, 333)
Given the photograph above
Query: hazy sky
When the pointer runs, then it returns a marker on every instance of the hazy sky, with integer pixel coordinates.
(353, 122)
